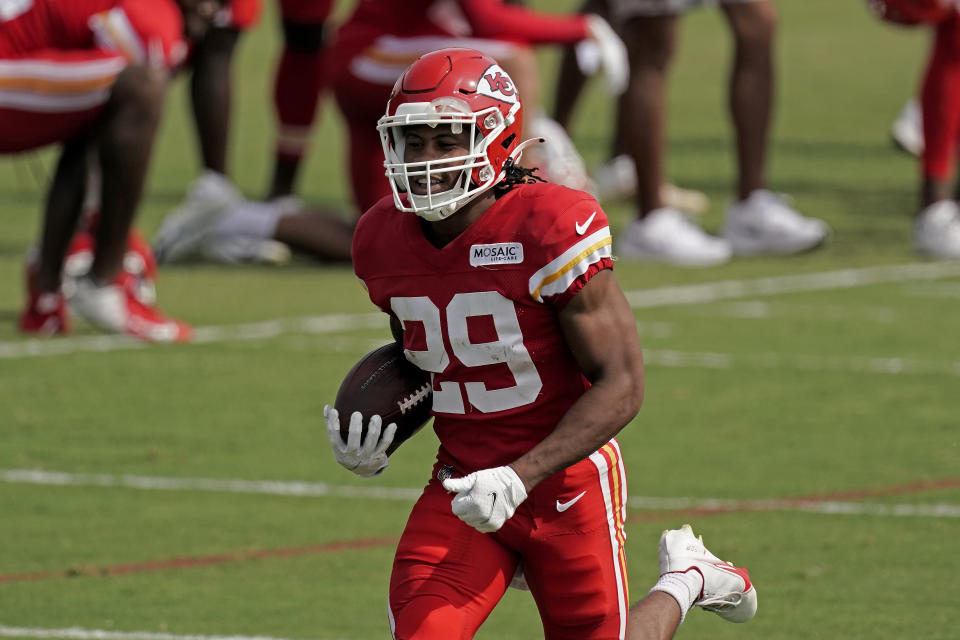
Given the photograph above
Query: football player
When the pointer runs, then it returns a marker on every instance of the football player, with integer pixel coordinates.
(501, 286)
(380, 40)
(92, 76)
(255, 233)
(937, 225)
(759, 222)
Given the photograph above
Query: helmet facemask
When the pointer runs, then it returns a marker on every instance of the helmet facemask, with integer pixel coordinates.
(477, 174)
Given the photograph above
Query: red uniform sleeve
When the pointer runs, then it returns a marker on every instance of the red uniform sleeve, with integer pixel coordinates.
(574, 243)
(493, 19)
(145, 31)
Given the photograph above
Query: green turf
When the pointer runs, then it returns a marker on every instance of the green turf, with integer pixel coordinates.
(761, 397)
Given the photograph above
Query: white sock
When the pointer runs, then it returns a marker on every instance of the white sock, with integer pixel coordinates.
(254, 219)
(684, 587)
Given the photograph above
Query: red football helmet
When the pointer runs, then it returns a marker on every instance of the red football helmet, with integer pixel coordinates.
(913, 12)
(460, 88)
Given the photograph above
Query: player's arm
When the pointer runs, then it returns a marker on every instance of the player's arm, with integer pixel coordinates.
(600, 330)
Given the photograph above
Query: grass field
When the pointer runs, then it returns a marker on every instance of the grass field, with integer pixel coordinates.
(801, 413)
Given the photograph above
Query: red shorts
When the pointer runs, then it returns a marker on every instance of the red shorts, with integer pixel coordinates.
(50, 96)
(447, 577)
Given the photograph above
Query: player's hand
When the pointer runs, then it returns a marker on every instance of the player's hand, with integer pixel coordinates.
(486, 499)
(604, 50)
(364, 456)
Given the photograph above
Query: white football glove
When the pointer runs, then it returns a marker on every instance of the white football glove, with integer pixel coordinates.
(367, 458)
(604, 50)
(487, 498)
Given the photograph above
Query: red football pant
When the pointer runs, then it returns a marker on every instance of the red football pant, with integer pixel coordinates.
(941, 101)
(50, 96)
(447, 577)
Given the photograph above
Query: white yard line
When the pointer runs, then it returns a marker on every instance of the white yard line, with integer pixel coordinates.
(319, 489)
(639, 299)
(77, 633)
(843, 364)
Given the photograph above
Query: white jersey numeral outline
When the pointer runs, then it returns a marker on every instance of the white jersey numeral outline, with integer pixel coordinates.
(507, 349)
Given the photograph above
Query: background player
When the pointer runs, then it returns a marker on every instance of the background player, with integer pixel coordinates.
(759, 221)
(255, 231)
(511, 342)
(937, 224)
(92, 75)
(368, 54)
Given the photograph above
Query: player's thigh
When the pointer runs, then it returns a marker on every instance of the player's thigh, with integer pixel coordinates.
(575, 563)
(447, 577)
(49, 96)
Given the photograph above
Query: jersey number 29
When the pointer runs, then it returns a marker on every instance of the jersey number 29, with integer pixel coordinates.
(507, 349)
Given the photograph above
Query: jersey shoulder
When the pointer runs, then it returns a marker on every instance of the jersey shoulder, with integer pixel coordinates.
(566, 238)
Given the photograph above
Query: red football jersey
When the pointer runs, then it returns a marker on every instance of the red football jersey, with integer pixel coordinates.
(489, 19)
(481, 313)
(144, 31)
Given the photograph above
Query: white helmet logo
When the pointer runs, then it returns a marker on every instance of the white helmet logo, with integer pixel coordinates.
(497, 84)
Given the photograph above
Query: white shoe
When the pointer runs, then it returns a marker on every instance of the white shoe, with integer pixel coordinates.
(667, 235)
(186, 228)
(907, 129)
(245, 250)
(937, 230)
(559, 158)
(616, 179)
(765, 224)
(727, 590)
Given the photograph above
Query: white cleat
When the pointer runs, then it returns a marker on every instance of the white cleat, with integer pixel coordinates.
(185, 229)
(907, 129)
(667, 235)
(616, 179)
(764, 224)
(937, 230)
(727, 590)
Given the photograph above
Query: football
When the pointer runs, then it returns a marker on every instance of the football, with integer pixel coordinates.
(385, 383)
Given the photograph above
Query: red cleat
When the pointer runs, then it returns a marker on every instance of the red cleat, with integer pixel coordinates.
(46, 314)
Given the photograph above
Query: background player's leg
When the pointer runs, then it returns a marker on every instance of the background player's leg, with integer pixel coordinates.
(297, 87)
(125, 144)
(211, 94)
(941, 112)
(751, 88)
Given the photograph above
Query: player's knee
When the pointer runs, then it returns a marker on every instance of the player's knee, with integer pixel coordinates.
(141, 87)
(303, 38)
(756, 28)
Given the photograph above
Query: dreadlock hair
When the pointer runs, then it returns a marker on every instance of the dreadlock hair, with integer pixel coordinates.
(515, 174)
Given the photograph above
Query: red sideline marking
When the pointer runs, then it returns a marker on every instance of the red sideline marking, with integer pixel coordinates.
(837, 496)
(199, 561)
(348, 545)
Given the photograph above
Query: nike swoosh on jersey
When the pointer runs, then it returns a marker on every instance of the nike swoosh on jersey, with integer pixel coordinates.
(563, 506)
(582, 228)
